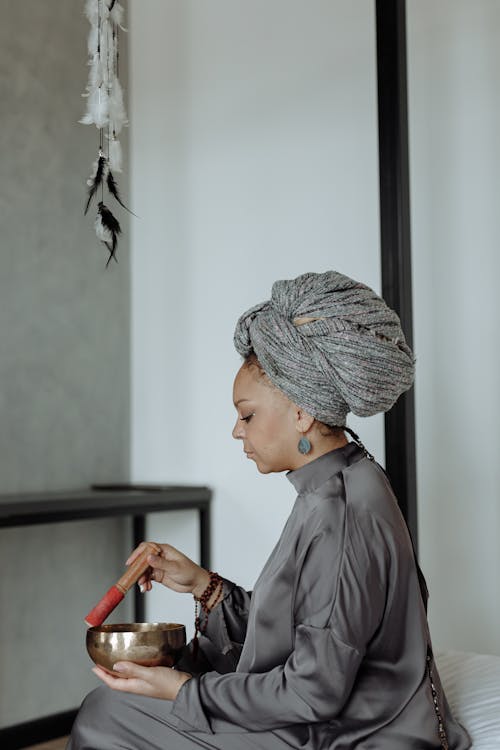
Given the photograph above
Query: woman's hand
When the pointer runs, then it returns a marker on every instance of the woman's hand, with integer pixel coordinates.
(154, 682)
(173, 569)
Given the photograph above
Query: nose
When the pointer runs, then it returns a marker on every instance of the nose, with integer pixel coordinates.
(238, 430)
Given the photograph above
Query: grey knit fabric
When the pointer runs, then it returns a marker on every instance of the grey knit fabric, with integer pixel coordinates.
(352, 358)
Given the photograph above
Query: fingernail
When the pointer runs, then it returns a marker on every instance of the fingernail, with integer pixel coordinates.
(118, 667)
(142, 587)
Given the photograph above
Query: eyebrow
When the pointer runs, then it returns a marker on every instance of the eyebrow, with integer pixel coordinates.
(240, 401)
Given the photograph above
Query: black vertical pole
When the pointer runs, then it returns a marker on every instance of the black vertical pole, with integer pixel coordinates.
(205, 533)
(138, 536)
(395, 236)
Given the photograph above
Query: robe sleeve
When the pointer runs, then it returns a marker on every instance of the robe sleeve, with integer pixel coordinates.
(222, 634)
(339, 603)
(227, 624)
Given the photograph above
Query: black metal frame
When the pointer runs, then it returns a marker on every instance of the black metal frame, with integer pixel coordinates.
(42, 508)
(395, 238)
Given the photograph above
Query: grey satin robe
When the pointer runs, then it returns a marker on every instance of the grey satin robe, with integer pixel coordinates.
(327, 653)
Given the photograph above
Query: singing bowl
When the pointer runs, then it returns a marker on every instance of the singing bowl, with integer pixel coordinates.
(151, 644)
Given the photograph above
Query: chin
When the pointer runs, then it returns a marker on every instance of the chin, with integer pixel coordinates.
(267, 469)
(264, 469)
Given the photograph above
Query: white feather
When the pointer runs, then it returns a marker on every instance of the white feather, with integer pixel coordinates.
(104, 10)
(103, 43)
(110, 53)
(91, 10)
(117, 15)
(92, 41)
(115, 155)
(95, 73)
(117, 114)
(86, 119)
(103, 90)
(98, 106)
(102, 232)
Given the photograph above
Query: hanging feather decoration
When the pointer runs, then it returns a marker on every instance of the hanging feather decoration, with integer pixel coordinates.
(115, 155)
(107, 229)
(113, 189)
(116, 13)
(116, 109)
(95, 182)
(105, 109)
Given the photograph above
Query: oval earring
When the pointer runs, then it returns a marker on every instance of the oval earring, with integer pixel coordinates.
(304, 445)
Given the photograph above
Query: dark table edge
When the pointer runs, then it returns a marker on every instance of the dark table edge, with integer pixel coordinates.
(38, 730)
(53, 508)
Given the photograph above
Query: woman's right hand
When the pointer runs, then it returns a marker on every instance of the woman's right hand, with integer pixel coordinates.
(173, 569)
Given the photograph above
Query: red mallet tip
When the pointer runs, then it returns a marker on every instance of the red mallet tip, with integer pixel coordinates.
(107, 604)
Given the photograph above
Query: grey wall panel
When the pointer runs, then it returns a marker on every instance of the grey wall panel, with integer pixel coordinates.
(64, 318)
(50, 580)
(64, 356)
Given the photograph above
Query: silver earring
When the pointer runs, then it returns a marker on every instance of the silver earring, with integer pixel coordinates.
(304, 445)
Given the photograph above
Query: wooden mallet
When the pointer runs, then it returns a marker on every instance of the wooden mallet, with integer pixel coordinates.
(113, 597)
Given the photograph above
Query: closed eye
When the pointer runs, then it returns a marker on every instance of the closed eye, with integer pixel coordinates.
(247, 418)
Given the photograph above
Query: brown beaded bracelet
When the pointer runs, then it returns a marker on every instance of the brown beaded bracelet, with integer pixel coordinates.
(215, 585)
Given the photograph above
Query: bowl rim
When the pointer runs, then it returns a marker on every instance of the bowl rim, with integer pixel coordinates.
(136, 627)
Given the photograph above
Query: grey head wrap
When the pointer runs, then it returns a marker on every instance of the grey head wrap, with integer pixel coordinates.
(330, 344)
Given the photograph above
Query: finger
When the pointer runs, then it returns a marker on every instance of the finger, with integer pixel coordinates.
(106, 676)
(165, 566)
(170, 553)
(129, 670)
(158, 561)
(122, 684)
(161, 575)
(135, 553)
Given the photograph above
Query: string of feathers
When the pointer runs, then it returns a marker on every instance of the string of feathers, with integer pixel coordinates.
(103, 174)
(106, 110)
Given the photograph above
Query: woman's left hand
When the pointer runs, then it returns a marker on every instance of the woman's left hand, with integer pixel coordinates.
(155, 682)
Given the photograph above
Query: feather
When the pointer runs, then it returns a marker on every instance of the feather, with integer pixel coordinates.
(97, 180)
(95, 73)
(107, 229)
(113, 189)
(86, 119)
(116, 13)
(116, 108)
(104, 50)
(92, 11)
(115, 155)
(102, 232)
(98, 106)
(93, 41)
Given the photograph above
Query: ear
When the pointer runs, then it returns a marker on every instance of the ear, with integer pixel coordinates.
(304, 421)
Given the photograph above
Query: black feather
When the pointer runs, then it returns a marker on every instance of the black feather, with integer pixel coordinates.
(97, 180)
(113, 189)
(111, 5)
(110, 223)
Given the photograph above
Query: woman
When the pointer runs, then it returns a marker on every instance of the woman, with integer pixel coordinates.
(331, 650)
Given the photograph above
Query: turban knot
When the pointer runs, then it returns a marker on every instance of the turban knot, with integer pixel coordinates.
(330, 344)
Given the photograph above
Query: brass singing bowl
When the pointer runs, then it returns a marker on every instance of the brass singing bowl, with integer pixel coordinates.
(151, 644)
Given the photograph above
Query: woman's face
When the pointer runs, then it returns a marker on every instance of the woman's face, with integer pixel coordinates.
(266, 421)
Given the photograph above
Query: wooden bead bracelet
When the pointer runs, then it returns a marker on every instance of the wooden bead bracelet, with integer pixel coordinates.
(215, 585)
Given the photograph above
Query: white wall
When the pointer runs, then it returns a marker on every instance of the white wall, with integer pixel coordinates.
(254, 157)
(454, 106)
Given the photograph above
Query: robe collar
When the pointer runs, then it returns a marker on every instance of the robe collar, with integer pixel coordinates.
(312, 475)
